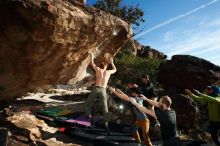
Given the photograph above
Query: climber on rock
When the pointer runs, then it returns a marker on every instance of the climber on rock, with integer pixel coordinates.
(99, 90)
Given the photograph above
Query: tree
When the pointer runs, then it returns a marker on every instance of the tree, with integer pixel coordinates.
(130, 14)
(130, 68)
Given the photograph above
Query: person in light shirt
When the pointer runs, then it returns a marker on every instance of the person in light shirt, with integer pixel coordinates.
(141, 119)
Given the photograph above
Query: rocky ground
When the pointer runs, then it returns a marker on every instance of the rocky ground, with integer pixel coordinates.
(25, 129)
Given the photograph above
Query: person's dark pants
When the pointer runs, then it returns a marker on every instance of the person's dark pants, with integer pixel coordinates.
(214, 130)
(99, 92)
(172, 141)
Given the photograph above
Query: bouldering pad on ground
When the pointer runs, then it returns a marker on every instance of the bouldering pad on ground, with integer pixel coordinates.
(50, 114)
(54, 112)
(91, 134)
(98, 137)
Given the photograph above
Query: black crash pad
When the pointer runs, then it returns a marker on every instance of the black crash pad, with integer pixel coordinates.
(98, 137)
(91, 134)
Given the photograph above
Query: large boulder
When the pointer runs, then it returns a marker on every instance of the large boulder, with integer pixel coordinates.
(186, 111)
(181, 72)
(80, 1)
(47, 42)
(148, 52)
(143, 51)
(185, 71)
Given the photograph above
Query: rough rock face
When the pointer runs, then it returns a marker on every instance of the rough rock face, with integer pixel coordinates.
(35, 130)
(47, 42)
(148, 52)
(79, 1)
(144, 51)
(181, 72)
(184, 71)
(186, 111)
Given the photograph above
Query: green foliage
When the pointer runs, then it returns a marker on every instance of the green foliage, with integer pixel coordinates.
(130, 14)
(130, 68)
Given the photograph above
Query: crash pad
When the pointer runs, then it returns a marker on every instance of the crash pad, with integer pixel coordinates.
(54, 112)
(82, 120)
(94, 134)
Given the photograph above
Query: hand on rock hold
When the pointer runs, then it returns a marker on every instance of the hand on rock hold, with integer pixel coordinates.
(111, 60)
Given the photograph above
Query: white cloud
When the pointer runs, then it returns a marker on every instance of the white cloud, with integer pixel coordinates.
(214, 23)
(202, 42)
(216, 62)
(195, 43)
(214, 58)
(197, 40)
(202, 22)
(208, 49)
(175, 18)
(167, 36)
(206, 22)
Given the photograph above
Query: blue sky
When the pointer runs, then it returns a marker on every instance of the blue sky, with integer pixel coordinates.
(181, 27)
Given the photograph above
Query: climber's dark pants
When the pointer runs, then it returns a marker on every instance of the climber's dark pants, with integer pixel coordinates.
(100, 94)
